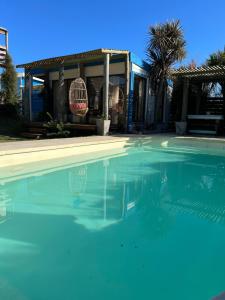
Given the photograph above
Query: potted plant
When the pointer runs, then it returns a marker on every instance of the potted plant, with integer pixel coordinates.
(102, 125)
(181, 127)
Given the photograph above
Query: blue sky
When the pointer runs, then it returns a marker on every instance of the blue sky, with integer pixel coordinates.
(47, 28)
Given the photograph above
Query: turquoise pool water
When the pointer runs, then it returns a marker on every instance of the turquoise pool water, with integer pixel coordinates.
(145, 224)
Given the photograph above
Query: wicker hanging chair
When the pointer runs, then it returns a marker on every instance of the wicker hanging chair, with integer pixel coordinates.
(78, 97)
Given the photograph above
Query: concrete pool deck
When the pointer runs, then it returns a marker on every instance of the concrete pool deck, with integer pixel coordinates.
(16, 153)
(22, 152)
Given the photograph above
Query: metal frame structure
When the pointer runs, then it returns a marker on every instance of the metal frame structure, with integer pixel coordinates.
(200, 74)
(3, 48)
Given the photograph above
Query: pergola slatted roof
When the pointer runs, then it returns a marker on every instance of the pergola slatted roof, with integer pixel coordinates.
(72, 57)
(200, 72)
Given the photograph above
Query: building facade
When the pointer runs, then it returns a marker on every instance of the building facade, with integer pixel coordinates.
(117, 84)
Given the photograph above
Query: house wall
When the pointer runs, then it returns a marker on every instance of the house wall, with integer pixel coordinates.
(140, 68)
(90, 71)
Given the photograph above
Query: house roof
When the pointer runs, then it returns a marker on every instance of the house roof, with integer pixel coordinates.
(72, 57)
(3, 30)
(205, 72)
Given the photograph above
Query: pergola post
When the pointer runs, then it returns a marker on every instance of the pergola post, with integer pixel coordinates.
(185, 99)
(61, 96)
(127, 87)
(27, 109)
(106, 87)
(165, 108)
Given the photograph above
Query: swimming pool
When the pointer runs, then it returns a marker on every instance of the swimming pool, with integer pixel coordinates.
(145, 223)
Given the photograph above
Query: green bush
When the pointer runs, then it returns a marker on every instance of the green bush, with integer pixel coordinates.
(55, 128)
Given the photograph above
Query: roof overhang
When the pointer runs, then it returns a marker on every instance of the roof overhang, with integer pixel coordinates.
(201, 73)
(73, 58)
(3, 30)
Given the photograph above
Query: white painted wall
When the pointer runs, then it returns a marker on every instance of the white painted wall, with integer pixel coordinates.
(135, 68)
(92, 71)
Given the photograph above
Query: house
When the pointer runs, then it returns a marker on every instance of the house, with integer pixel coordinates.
(116, 82)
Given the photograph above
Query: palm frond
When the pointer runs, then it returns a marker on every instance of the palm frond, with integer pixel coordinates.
(165, 47)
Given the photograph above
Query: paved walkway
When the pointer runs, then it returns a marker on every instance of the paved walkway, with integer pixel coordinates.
(36, 145)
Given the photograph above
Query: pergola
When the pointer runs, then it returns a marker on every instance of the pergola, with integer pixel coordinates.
(198, 75)
(61, 62)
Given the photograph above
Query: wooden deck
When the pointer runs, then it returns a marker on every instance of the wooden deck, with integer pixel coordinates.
(37, 130)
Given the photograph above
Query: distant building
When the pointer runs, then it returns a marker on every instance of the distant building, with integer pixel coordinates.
(37, 83)
(3, 46)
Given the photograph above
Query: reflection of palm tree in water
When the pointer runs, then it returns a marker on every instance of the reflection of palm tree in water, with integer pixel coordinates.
(154, 219)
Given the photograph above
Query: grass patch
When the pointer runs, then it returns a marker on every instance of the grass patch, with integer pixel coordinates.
(7, 138)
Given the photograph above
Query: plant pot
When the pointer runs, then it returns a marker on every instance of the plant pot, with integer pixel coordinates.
(181, 128)
(102, 126)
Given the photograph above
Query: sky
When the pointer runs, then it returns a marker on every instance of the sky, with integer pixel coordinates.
(48, 28)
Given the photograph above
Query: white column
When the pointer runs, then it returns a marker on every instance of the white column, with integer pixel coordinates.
(127, 90)
(106, 87)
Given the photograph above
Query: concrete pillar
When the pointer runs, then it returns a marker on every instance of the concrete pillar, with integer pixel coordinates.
(185, 100)
(106, 87)
(130, 104)
(127, 90)
(27, 98)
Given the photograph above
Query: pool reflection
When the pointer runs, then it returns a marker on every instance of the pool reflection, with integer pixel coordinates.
(103, 193)
(127, 222)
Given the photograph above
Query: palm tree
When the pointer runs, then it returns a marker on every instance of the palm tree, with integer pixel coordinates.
(165, 47)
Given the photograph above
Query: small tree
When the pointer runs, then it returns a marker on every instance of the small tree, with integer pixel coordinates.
(218, 59)
(165, 47)
(9, 82)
